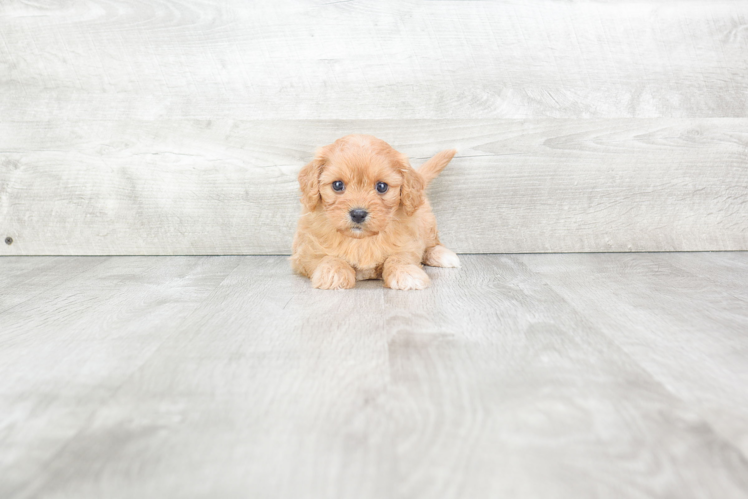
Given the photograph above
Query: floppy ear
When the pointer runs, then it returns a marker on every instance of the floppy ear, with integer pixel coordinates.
(309, 180)
(411, 192)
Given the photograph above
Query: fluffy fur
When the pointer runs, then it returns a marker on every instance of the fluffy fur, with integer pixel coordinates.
(399, 233)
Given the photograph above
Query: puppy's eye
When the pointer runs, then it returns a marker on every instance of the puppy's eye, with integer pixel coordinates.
(382, 187)
(338, 186)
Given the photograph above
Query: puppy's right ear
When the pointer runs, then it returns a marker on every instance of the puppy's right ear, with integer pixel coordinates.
(309, 180)
(411, 192)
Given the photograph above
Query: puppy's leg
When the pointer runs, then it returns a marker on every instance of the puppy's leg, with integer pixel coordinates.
(402, 271)
(333, 274)
(439, 256)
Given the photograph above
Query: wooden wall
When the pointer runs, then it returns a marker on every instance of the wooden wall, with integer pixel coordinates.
(178, 127)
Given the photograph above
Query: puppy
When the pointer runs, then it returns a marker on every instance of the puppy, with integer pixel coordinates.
(365, 216)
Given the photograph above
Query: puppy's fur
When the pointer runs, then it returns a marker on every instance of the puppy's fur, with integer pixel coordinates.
(399, 232)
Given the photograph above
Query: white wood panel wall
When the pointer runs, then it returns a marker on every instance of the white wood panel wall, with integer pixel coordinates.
(178, 127)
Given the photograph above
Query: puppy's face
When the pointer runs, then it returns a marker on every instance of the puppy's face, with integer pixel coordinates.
(360, 195)
(360, 182)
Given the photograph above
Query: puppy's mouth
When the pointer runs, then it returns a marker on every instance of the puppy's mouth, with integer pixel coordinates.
(358, 231)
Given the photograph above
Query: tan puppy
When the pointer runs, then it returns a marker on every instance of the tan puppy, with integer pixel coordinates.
(365, 216)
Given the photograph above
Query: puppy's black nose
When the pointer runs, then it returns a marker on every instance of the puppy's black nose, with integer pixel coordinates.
(358, 215)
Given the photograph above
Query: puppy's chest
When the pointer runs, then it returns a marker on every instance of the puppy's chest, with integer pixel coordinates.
(369, 273)
(366, 255)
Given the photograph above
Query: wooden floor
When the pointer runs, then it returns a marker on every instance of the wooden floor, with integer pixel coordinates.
(518, 375)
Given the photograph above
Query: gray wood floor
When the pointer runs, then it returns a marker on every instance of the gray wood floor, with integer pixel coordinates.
(517, 375)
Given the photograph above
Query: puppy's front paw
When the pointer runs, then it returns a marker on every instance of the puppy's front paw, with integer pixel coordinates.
(409, 277)
(333, 275)
(439, 256)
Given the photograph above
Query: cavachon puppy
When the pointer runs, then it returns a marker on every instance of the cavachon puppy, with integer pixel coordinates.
(365, 216)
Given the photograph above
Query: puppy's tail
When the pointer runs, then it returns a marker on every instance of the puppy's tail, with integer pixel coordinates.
(433, 167)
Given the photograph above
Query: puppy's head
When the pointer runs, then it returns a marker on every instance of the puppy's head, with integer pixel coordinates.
(360, 182)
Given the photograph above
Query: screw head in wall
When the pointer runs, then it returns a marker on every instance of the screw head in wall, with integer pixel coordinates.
(8, 240)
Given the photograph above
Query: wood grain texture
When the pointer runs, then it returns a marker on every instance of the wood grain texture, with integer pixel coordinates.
(654, 305)
(229, 187)
(69, 348)
(291, 59)
(177, 127)
(522, 376)
(22, 279)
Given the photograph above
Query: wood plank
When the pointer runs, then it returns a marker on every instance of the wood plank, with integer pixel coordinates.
(488, 384)
(684, 318)
(229, 187)
(16, 270)
(725, 270)
(253, 315)
(67, 351)
(504, 368)
(24, 278)
(388, 60)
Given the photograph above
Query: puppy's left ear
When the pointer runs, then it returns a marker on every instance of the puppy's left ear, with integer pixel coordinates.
(411, 192)
(309, 179)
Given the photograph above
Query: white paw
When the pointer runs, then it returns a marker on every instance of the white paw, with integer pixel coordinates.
(407, 278)
(333, 277)
(439, 256)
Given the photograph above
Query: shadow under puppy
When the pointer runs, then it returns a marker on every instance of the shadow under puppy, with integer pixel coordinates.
(365, 216)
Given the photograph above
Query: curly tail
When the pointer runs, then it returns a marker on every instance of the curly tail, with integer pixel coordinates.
(433, 167)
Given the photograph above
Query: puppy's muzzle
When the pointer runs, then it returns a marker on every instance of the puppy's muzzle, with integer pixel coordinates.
(358, 215)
